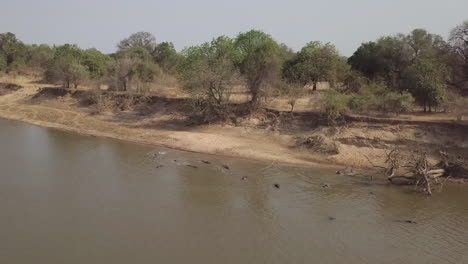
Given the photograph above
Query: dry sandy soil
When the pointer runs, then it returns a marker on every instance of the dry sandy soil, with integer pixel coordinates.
(300, 139)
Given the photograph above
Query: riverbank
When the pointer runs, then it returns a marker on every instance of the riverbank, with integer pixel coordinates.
(274, 136)
(64, 113)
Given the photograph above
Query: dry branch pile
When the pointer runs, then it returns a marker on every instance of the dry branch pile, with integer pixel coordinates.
(416, 170)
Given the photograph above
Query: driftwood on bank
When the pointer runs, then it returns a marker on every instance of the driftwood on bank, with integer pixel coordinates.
(415, 170)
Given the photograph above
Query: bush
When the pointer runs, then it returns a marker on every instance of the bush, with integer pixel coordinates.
(377, 97)
(336, 105)
(396, 102)
(362, 102)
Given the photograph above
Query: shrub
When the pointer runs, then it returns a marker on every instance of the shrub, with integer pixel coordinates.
(377, 97)
(336, 105)
(396, 102)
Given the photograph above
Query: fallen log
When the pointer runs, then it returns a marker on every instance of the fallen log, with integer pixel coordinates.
(436, 171)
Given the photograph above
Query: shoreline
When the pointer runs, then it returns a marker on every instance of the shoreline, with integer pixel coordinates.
(294, 140)
(256, 156)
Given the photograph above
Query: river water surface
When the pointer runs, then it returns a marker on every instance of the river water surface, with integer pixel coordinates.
(66, 198)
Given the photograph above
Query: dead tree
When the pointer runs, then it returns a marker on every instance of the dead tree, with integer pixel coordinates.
(415, 171)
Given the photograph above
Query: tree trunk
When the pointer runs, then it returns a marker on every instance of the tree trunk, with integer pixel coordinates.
(254, 100)
(314, 88)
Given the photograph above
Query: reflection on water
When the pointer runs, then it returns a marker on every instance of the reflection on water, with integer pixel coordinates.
(71, 199)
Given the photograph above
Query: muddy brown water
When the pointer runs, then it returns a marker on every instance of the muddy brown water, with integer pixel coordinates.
(66, 198)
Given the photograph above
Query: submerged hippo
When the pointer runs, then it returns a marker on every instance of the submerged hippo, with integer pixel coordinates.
(348, 171)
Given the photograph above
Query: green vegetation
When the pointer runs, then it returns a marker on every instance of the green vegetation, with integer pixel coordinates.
(398, 73)
(67, 67)
(316, 62)
(259, 62)
(417, 63)
(208, 73)
(132, 69)
(378, 97)
(12, 52)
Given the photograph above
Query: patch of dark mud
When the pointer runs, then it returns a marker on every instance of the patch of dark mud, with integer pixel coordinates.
(6, 88)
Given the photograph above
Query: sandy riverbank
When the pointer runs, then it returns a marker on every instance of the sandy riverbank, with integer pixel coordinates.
(293, 139)
(64, 113)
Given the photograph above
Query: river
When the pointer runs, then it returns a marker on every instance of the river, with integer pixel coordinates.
(66, 198)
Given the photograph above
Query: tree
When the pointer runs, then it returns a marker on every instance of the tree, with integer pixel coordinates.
(424, 44)
(166, 56)
(69, 71)
(285, 53)
(96, 63)
(208, 71)
(258, 61)
(140, 39)
(12, 51)
(316, 62)
(367, 60)
(40, 56)
(426, 80)
(124, 69)
(77, 73)
(132, 67)
(389, 57)
(458, 40)
(395, 59)
(3, 62)
(67, 66)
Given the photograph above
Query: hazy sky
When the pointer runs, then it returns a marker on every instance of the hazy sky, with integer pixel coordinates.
(345, 23)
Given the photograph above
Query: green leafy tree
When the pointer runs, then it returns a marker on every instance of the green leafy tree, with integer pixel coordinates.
(395, 59)
(140, 39)
(423, 44)
(96, 63)
(67, 66)
(68, 71)
(385, 60)
(208, 71)
(77, 73)
(426, 80)
(316, 62)
(166, 56)
(368, 61)
(12, 52)
(285, 53)
(389, 57)
(3, 62)
(259, 62)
